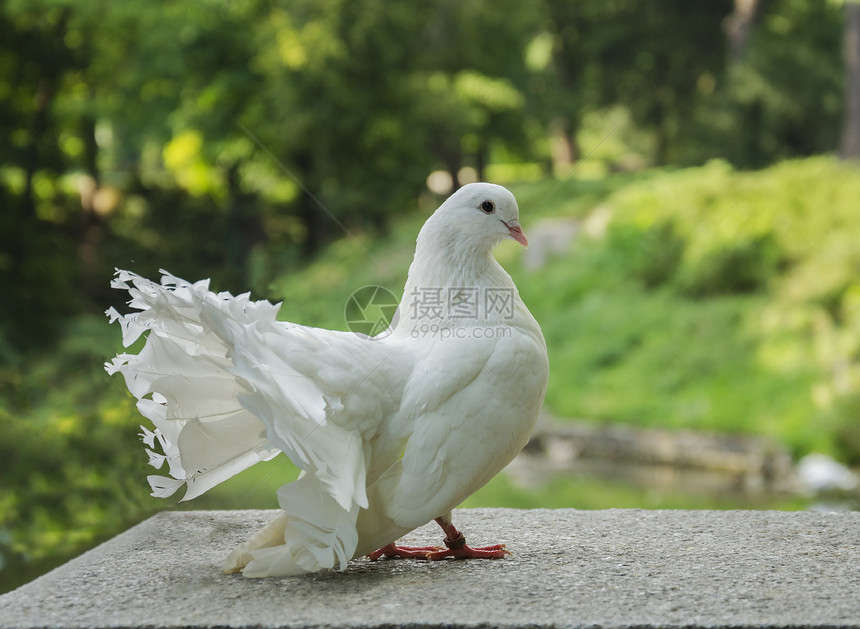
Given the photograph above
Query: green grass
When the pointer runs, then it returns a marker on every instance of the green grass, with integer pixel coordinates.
(717, 300)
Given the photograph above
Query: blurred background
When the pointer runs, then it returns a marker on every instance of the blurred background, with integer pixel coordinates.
(687, 174)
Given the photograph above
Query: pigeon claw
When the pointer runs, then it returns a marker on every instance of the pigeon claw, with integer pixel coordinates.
(457, 548)
(393, 551)
(462, 551)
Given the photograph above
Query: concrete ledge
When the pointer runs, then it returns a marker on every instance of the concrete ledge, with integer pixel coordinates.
(614, 568)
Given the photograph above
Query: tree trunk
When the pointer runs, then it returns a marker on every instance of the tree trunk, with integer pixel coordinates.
(44, 99)
(244, 227)
(453, 158)
(33, 155)
(90, 228)
(565, 150)
(738, 26)
(482, 157)
(307, 211)
(850, 144)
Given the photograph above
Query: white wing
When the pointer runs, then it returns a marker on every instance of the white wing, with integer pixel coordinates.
(338, 385)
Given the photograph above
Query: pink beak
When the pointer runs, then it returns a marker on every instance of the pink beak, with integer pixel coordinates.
(516, 232)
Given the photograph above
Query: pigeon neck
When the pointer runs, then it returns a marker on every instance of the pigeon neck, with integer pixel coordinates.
(454, 287)
(450, 262)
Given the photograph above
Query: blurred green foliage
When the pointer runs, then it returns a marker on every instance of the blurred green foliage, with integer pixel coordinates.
(718, 300)
(68, 441)
(190, 135)
(237, 140)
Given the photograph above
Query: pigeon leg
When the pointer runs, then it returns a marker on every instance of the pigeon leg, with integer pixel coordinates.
(393, 551)
(457, 548)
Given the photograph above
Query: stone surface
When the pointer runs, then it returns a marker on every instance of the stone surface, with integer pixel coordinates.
(617, 568)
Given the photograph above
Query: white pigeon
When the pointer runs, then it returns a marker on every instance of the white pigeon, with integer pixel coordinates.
(390, 432)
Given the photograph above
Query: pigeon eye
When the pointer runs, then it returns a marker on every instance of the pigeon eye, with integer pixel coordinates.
(487, 207)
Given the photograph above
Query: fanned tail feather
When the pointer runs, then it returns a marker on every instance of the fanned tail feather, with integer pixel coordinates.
(183, 386)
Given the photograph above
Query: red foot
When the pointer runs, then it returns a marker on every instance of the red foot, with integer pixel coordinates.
(454, 540)
(457, 549)
(393, 551)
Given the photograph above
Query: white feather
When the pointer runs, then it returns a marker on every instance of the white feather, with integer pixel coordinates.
(389, 433)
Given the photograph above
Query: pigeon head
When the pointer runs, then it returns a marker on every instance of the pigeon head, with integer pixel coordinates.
(477, 217)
